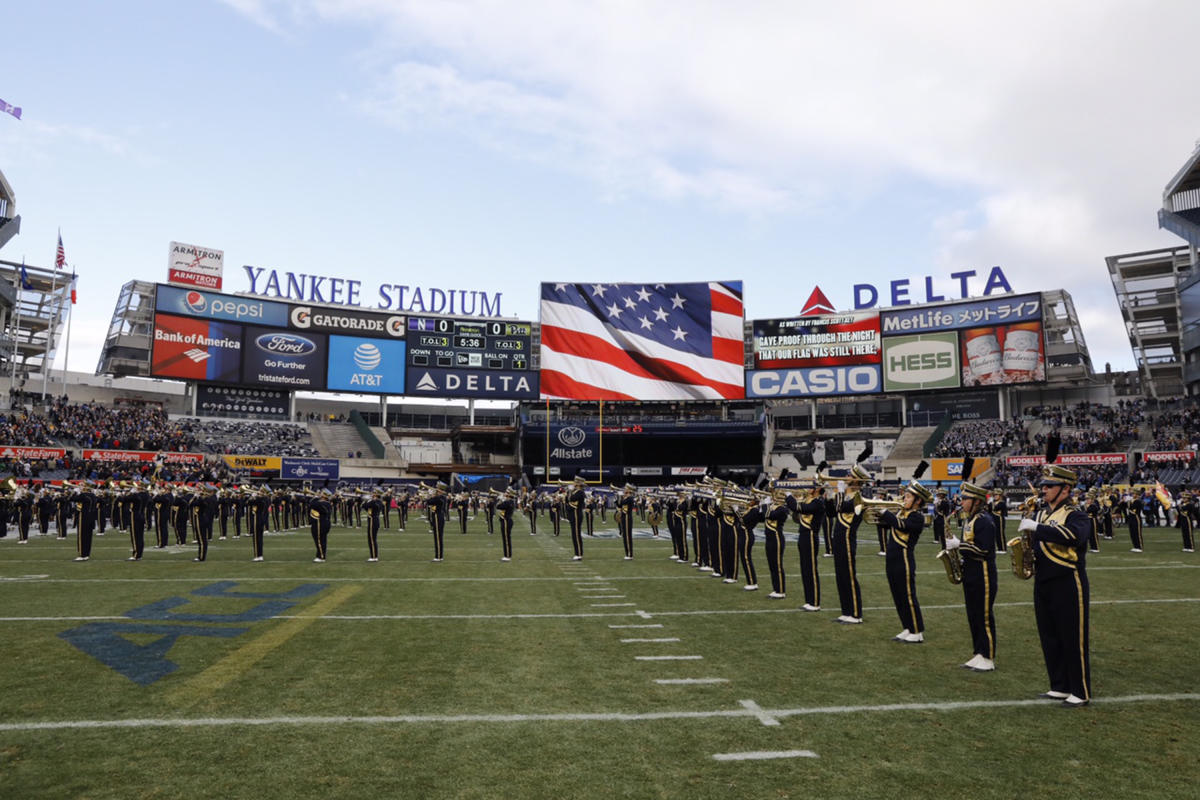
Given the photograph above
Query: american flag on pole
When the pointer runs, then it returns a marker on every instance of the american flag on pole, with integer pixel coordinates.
(642, 341)
(60, 255)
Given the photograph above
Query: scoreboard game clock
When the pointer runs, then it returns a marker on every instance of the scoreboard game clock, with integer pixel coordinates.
(469, 344)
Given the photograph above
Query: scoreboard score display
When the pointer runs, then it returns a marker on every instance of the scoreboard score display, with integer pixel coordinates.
(469, 344)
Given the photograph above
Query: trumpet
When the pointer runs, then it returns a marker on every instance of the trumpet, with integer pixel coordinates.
(875, 508)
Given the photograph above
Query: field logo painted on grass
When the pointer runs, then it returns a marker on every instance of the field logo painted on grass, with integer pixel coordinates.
(108, 642)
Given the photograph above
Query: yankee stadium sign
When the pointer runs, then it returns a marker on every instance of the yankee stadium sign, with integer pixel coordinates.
(304, 288)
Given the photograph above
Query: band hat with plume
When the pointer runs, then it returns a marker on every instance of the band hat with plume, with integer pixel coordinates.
(916, 487)
(972, 490)
(1053, 474)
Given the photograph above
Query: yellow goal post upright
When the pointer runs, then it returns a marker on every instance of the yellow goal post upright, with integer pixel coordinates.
(600, 450)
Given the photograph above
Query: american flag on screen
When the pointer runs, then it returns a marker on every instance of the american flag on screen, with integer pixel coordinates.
(642, 341)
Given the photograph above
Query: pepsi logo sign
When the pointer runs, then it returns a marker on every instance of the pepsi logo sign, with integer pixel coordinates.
(195, 302)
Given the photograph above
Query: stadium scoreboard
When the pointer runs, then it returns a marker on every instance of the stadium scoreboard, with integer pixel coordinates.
(473, 344)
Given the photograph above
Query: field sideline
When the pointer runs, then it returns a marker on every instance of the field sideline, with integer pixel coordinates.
(547, 678)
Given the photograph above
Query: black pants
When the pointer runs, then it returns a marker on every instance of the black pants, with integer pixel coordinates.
(506, 524)
(845, 566)
(979, 594)
(901, 576)
(808, 545)
(774, 543)
(1061, 606)
(745, 546)
(1135, 530)
(373, 536)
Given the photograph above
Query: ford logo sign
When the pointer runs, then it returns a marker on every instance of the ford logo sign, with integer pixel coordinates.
(285, 344)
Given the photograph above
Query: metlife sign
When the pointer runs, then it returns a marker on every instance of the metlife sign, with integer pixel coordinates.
(490, 384)
(814, 381)
(923, 361)
(957, 316)
(211, 305)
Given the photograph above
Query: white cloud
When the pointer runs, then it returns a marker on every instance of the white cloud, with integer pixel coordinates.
(1058, 127)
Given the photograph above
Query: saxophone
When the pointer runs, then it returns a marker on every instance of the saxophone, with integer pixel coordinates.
(952, 561)
(1020, 548)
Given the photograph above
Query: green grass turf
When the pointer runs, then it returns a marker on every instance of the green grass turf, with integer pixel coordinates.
(448, 649)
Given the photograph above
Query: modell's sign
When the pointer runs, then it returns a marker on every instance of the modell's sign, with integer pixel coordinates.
(1069, 460)
(193, 265)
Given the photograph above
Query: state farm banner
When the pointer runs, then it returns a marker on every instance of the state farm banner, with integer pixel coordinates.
(142, 455)
(1170, 455)
(193, 265)
(7, 451)
(1069, 460)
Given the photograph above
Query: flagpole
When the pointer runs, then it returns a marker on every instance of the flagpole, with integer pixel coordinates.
(12, 376)
(67, 354)
(54, 323)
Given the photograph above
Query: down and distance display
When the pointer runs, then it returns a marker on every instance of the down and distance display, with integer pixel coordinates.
(469, 344)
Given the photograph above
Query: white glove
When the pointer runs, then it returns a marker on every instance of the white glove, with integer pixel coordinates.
(952, 543)
(1027, 525)
(858, 509)
(841, 486)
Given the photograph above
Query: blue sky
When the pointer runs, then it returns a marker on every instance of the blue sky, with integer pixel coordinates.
(492, 146)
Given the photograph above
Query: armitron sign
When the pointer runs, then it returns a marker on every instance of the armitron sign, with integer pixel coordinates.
(193, 265)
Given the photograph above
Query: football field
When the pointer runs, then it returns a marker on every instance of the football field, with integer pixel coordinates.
(548, 678)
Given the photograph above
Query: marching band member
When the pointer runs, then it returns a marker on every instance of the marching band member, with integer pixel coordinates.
(978, 551)
(809, 515)
(84, 503)
(320, 513)
(575, 500)
(1059, 537)
(1092, 508)
(1187, 520)
(847, 516)
(1133, 519)
(506, 507)
(743, 529)
(904, 529)
(257, 509)
(941, 513)
(374, 508)
(624, 514)
(436, 506)
(782, 505)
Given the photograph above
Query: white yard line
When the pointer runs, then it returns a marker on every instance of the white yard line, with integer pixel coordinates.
(758, 755)
(425, 719)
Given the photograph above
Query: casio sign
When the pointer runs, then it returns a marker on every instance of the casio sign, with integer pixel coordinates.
(826, 381)
(285, 343)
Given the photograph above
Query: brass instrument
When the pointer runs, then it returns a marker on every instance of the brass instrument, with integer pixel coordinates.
(952, 561)
(1020, 548)
(875, 508)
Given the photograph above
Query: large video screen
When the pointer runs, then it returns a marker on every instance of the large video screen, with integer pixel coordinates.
(196, 349)
(972, 344)
(272, 357)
